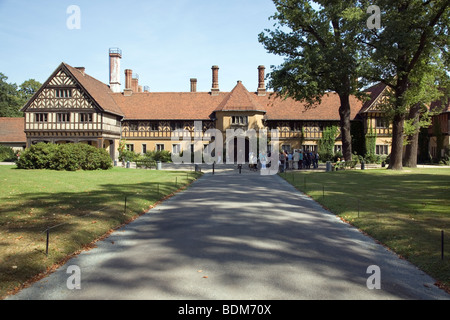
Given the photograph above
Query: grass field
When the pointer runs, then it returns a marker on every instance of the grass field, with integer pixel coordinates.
(79, 207)
(405, 210)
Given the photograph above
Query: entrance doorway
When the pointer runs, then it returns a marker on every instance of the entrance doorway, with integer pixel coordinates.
(238, 150)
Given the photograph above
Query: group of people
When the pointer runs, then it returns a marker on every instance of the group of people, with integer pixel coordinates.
(298, 159)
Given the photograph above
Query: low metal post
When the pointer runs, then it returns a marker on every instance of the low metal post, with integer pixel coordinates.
(48, 236)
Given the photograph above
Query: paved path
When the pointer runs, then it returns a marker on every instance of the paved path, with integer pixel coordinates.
(232, 236)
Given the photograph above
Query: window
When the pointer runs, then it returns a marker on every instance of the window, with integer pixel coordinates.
(63, 117)
(144, 148)
(41, 117)
(286, 147)
(159, 147)
(133, 127)
(309, 148)
(382, 149)
(337, 148)
(85, 117)
(176, 148)
(239, 120)
(382, 123)
(176, 126)
(130, 147)
(63, 93)
(154, 126)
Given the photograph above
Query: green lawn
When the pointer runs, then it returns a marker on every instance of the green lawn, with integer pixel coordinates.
(405, 210)
(80, 207)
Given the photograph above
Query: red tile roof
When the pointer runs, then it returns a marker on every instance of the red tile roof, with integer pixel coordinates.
(168, 105)
(12, 130)
(99, 91)
(201, 105)
(288, 109)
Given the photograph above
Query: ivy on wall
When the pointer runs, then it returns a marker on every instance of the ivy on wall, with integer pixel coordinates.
(326, 143)
(371, 140)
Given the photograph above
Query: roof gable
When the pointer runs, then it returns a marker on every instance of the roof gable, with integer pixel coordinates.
(377, 96)
(88, 93)
(239, 99)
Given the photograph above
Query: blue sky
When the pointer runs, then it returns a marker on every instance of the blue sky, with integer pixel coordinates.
(166, 42)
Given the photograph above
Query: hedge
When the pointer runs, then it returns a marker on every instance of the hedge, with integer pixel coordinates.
(69, 157)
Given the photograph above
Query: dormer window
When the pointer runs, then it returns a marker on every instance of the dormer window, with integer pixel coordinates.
(63, 93)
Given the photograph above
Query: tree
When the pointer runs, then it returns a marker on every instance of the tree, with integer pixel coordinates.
(321, 55)
(28, 89)
(13, 98)
(9, 99)
(398, 55)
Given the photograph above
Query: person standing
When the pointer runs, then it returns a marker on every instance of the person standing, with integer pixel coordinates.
(316, 160)
(296, 159)
(290, 161)
(262, 159)
(300, 160)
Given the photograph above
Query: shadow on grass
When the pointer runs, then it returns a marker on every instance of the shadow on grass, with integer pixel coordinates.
(74, 220)
(406, 211)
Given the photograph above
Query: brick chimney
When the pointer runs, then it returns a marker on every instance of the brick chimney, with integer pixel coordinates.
(135, 83)
(193, 85)
(81, 69)
(215, 81)
(261, 84)
(115, 54)
(128, 75)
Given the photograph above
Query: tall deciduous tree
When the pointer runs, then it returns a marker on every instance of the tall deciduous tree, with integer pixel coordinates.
(398, 55)
(321, 55)
(13, 97)
(9, 99)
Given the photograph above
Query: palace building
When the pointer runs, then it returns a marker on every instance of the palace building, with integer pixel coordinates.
(73, 107)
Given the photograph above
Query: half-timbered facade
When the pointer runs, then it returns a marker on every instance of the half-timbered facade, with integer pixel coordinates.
(72, 107)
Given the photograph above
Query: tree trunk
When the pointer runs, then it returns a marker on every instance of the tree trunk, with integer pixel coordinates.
(344, 113)
(395, 162)
(410, 159)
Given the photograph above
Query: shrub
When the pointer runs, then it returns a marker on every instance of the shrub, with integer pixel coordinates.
(7, 154)
(69, 157)
(38, 156)
(163, 156)
(127, 155)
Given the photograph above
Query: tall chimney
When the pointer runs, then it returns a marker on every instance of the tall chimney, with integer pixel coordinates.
(261, 83)
(215, 81)
(135, 83)
(193, 85)
(115, 54)
(128, 75)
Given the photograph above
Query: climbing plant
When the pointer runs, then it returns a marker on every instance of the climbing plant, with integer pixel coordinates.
(326, 143)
